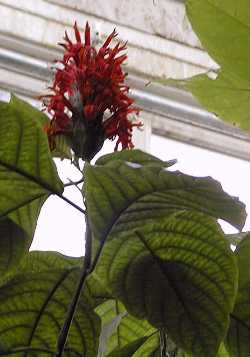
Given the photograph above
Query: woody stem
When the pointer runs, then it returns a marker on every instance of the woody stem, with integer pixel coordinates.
(62, 338)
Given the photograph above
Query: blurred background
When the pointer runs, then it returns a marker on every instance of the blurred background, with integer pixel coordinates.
(161, 45)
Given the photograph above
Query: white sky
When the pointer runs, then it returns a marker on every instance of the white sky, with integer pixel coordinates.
(61, 227)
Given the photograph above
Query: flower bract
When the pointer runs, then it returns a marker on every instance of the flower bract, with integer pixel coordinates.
(89, 99)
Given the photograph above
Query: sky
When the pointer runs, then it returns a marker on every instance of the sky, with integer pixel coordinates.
(61, 227)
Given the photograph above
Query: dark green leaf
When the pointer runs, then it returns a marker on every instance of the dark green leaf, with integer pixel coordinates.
(134, 156)
(177, 272)
(128, 350)
(98, 290)
(238, 339)
(33, 304)
(149, 348)
(27, 172)
(145, 346)
(121, 195)
(25, 160)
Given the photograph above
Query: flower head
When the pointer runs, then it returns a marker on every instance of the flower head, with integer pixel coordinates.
(89, 100)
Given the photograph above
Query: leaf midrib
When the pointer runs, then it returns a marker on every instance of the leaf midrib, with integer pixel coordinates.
(172, 284)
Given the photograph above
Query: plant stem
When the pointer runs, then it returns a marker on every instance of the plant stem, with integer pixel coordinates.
(72, 183)
(71, 203)
(62, 338)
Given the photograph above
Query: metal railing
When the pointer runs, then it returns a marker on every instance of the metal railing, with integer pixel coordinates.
(26, 70)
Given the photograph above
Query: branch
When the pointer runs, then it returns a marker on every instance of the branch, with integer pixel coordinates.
(71, 203)
(62, 339)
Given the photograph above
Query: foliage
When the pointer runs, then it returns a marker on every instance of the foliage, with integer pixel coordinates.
(223, 29)
(158, 278)
(28, 175)
(33, 303)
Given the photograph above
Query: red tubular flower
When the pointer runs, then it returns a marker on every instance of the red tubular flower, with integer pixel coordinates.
(89, 100)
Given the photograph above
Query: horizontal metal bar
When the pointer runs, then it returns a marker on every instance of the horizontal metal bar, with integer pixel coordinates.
(28, 76)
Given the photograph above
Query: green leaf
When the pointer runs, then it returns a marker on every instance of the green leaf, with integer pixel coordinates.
(128, 350)
(119, 328)
(97, 289)
(135, 157)
(25, 160)
(27, 172)
(177, 272)
(149, 348)
(33, 304)
(226, 97)
(238, 339)
(223, 29)
(145, 346)
(122, 199)
(119, 194)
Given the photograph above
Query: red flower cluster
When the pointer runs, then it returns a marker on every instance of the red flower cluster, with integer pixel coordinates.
(89, 100)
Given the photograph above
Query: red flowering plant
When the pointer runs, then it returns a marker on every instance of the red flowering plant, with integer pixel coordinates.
(89, 101)
(158, 277)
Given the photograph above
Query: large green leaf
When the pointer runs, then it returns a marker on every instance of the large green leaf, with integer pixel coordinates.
(119, 194)
(27, 172)
(120, 329)
(224, 31)
(123, 199)
(27, 169)
(238, 339)
(134, 157)
(33, 304)
(99, 292)
(224, 96)
(223, 28)
(177, 272)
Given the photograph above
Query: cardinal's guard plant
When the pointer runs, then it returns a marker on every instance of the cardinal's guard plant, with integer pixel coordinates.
(158, 277)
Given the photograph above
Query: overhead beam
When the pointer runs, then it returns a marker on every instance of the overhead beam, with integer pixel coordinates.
(172, 113)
